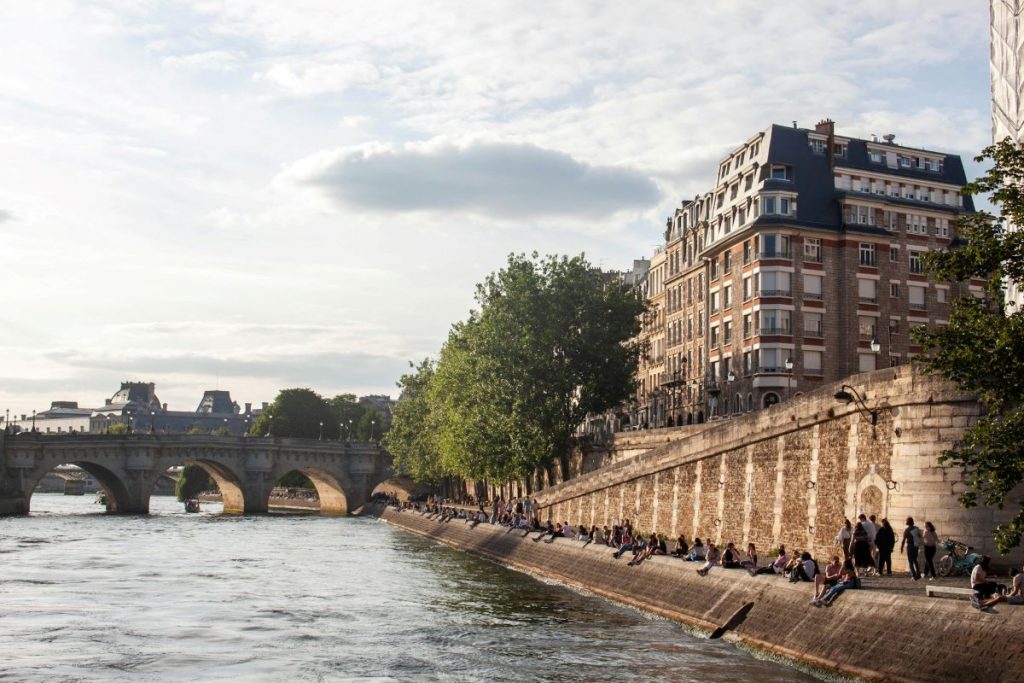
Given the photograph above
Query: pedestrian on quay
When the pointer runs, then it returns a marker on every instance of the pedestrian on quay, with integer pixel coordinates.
(861, 547)
(911, 542)
(931, 544)
(844, 538)
(872, 530)
(885, 541)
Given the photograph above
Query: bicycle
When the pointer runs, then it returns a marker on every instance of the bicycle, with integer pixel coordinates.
(958, 560)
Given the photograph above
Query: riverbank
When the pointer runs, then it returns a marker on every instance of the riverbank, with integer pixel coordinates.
(869, 634)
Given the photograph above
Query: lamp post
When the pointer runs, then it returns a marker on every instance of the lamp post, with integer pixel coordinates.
(7, 420)
(848, 395)
(348, 432)
(789, 377)
(152, 421)
(226, 425)
(33, 422)
(270, 425)
(321, 436)
(373, 424)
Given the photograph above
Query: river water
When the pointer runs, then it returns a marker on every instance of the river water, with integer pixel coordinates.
(173, 597)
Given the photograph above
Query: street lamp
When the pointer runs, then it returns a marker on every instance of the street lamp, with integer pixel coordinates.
(855, 397)
(373, 423)
(789, 377)
(321, 436)
(152, 421)
(270, 425)
(33, 422)
(875, 346)
(348, 432)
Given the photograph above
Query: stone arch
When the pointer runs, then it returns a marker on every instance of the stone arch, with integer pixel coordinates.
(872, 497)
(334, 491)
(232, 490)
(769, 399)
(118, 497)
(750, 402)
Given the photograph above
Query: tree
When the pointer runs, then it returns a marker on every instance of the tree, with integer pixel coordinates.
(550, 343)
(347, 414)
(981, 348)
(412, 438)
(297, 413)
(193, 480)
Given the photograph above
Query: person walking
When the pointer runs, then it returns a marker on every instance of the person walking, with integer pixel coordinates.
(844, 539)
(885, 541)
(931, 545)
(911, 542)
(861, 547)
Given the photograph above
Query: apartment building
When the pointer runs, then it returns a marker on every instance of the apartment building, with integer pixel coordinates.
(801, 266)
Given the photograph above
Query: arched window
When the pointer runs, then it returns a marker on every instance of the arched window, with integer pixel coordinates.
(770, 399)
(737, 403)
(750, 401)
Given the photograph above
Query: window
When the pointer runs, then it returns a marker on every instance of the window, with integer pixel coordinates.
(748, 182)
(747, 291)
(894, 290)
(904, 161)
(867, 254)
(734, 190)
(721, 200)
(812, 286)
(818, 146)
(768, 205)
(727, 332)
(866, 327)
(726, 297)
(942, 227)
(748, 366)
(814, 325)
(689, 327)
(727, 263)
(748, 327)
(916, 264)
(775, 321)
(940, 295)
(812, 249)
(839, 150)
(714, 269)
(771, 360)
(864, 215)
(746, 252)
(866, 362)
(894, 254)
(714, 335)
(714, 302)
(915, 296)
(875, 156)
(775, 284)
(866, 291)
(781, 172)
(741, 218)
(812, 362)
(775, 246)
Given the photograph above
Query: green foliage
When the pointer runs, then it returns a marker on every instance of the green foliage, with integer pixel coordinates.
(295, 480)
(550, 343)
(193, 480)
(196, 430)
(347, 413)
(297, 413)
(982, 348)
(118, 428)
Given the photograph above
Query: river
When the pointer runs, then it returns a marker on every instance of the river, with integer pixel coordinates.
(174, 597)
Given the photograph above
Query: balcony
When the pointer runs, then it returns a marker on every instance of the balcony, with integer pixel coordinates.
(814, 296)
(775, 292)
(867, 299)
(814, 330)
(775, 253)
(776, 329)
(918, 306)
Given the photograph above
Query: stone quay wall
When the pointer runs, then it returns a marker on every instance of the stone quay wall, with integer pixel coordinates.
(793, 472)
(869, 634)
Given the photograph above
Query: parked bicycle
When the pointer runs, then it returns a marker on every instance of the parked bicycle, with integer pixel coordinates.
(958, 560)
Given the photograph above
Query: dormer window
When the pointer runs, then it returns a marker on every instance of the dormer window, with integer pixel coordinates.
(781, 172)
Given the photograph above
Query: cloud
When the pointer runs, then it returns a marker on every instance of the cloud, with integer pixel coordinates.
(6, 216)
(500, 180)
(218, 60)
(318, 78)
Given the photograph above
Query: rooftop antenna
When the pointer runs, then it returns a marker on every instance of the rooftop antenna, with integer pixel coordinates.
(794, 124)
(889, 137)
(874, 138)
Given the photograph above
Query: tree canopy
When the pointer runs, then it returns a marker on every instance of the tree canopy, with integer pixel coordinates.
(981, 348)
(551, 341)
(299, 412)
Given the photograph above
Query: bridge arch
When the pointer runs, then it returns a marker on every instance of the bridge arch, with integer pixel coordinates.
(229, 482)
(118, 498)
(332, 488)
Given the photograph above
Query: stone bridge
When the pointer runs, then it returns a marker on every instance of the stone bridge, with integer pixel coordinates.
(245, 468)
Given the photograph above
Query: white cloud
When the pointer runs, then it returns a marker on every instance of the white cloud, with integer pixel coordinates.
(6, 216)
(217, 60)
(308, 79)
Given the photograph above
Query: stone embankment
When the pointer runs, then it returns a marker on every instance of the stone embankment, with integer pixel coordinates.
(870, 634)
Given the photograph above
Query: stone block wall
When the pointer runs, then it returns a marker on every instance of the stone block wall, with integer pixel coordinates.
(792, 473)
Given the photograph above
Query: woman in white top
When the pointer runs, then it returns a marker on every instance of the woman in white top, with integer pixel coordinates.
(844, 538)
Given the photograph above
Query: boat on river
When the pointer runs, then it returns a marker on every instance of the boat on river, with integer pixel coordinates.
(191, 505)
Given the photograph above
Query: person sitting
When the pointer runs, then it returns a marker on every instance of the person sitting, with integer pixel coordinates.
(823, 582)
(640, 549)
(662, 548)
(649, 548)
(731, 557)
(794, 561)
(568, 531)
(847, 579)
(983, 588)
(750, 561)
(698, 552)
(681, 548)
(625, 546)
(582, 534)
(1014, 597)
(776, 567)
(711, 559)
(805, 570)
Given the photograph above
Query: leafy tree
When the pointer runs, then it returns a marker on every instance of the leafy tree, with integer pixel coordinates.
(347, 414)
(550, 343)
(370, 426)
(981, 348)
(193, 480)
(297, 413)
(295, 480)
(118, 428)
(412, 439)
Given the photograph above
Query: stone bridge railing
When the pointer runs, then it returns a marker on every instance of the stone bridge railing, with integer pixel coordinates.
(245, 468)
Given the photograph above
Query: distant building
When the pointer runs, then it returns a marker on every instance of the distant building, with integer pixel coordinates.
(137, 405)
(382, 404)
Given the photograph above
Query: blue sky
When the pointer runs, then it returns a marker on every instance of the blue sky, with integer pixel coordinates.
(261, 194)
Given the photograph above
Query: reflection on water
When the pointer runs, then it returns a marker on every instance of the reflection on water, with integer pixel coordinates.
(175, 596)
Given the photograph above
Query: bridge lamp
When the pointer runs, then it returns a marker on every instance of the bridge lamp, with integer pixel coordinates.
(372, 425)
(348, 432)
(875, 346)
(152, 421)
(270, 424)
(321, 437)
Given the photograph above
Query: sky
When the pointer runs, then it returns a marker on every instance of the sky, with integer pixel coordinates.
(256, 194)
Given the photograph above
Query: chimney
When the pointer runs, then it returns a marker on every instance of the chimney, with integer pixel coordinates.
(248, 409)
(265, 406)
(165, 407)
(828, 127)
(794, 123)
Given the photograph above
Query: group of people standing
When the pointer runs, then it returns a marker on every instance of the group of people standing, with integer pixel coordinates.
(869, 546)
